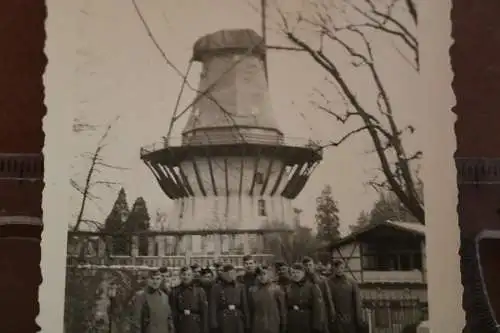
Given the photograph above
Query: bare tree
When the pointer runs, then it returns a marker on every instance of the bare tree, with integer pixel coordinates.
(97, 164)
(351, 27)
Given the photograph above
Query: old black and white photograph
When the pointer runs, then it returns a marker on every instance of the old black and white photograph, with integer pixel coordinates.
(246, 166)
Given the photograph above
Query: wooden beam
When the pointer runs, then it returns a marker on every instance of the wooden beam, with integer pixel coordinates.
(182, 188)
(361, 260)
(254, 178)
(226, 176)
(198, 178)
(242, 168)
(278, 180)
(263, 8)
(268, 176)
(292, 181)
(162, 181)
(186, 181)
(212, 177)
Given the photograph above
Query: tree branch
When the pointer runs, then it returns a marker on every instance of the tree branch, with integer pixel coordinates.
(404, 191)
(344, 138)
(205, 93)
(95, 162)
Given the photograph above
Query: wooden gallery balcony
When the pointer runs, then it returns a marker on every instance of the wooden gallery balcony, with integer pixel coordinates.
(167, 248)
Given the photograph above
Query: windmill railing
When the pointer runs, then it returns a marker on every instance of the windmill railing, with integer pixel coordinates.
(225, 139)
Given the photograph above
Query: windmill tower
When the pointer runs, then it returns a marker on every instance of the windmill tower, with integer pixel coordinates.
(234, 175)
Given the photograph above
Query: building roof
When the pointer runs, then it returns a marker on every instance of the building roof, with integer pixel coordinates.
(233, 102)
(409, 227)
(232, 40)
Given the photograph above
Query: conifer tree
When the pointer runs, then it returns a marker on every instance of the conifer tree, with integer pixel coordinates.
(115, 223)
(327, 219)
(138, 220)
(362, 220)
(389, 207)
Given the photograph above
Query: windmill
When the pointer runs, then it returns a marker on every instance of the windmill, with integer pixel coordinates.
(234, 175)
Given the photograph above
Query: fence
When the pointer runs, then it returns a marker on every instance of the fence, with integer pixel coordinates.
(91, 290)
(386, 315)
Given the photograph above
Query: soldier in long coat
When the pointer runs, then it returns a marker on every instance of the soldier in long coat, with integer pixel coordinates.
(328, 307)
(347, 301)
(248, 278)
(283, 274)
(196, 273)
(218, 270)
(267, 304)
(207, 281)
(165, 285)
(152, 312)
(189, 305)
(304, 303)
(228, 304)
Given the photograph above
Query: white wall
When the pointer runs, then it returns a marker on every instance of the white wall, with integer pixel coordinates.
(234, 211)
(349, 253)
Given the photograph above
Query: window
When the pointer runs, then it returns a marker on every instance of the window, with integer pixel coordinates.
(378, 257)
(259, 178)
(261, 205)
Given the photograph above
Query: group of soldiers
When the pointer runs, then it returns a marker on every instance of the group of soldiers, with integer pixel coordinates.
(265, 299)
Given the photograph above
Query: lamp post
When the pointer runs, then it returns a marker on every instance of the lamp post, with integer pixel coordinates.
(112, 291)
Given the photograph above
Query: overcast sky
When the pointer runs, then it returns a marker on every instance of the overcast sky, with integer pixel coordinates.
(120, 72)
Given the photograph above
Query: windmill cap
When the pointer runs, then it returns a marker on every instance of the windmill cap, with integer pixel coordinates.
(233, 41)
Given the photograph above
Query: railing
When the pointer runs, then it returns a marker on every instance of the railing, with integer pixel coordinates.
(172, 262)
(231, 138)
(154, 244)
(163, 249)
(414, 276)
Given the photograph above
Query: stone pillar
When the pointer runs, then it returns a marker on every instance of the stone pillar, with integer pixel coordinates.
(134, 248)
(224, 243)
(196, 241)
(109, 245)
(260, 243)
(424, 262)
(101, 248)
(217, 239)
(178, 247)
(161, 245)
(151, 246)
(246, 243)
(203, 244)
